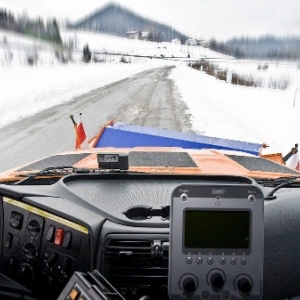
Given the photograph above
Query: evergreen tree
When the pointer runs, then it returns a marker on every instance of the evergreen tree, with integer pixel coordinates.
(87, 54)
(57, 37)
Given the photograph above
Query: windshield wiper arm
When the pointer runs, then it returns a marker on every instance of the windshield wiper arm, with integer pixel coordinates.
(285, 181)
(68, 170)
(52, 171)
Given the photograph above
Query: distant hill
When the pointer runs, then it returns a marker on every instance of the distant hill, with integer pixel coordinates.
(116, 20)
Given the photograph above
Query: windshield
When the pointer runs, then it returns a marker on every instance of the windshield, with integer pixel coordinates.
(219, 69)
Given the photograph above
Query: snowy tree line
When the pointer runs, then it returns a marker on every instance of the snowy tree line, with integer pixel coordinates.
(271, 81)
(267, 47)
(35, 28)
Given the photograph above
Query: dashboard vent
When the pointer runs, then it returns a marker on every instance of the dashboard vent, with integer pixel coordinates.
(123, 253)
(137, 264)
(136, 254)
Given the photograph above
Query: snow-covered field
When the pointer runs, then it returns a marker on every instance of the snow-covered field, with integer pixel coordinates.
(106, 43)
(243, 113)
(216, 107)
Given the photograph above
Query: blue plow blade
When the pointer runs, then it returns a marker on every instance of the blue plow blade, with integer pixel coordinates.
(120, 135)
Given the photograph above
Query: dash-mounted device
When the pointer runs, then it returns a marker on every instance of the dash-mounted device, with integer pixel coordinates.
(216, 242)
(109, 161)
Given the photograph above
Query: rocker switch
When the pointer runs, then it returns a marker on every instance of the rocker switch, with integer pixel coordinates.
(8, 241)
(50, 233)
(67, 240)
(59, 236)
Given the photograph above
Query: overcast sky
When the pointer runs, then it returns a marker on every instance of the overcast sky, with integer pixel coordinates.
(221, 19)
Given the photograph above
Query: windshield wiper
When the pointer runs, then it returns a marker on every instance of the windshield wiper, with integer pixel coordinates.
(68, 170)
(51, 171)
(274, 182)
(281, 182)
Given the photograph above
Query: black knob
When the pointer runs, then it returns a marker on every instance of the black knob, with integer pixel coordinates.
(189, 285)
(217, 280)
(34, 227)
(244, 285)
(26, 272)
(29, 250)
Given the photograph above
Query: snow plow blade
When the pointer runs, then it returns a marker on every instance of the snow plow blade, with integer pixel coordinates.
(120, 135)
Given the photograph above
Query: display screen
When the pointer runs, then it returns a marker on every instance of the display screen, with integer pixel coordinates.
(109, 158)
(217, 229)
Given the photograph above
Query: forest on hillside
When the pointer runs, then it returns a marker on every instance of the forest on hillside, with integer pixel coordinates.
(116, 20)
(266, 47)
(48, 31)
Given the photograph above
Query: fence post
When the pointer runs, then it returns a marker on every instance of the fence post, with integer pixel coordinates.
(229, 77)
(295, 96)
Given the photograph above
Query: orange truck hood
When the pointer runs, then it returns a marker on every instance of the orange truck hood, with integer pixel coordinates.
(166, 160)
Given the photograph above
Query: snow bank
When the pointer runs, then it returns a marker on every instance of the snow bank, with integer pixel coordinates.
(235, 112)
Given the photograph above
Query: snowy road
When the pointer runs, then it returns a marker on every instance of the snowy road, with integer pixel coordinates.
(148, 98)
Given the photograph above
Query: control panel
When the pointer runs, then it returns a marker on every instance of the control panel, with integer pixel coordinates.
(216, 242)
(40, 247)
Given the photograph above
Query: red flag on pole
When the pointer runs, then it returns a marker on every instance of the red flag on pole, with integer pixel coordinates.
(79, 133)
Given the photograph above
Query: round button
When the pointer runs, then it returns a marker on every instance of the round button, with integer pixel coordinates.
(205, 294)
(243, 261)
(225, 294)
(223, 261)
(199, 260)
(189, 260)
(184, 197)
(251, 198)
(210, 260)
(233, 260)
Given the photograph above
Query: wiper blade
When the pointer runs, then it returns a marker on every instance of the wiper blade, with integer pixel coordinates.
(68, 170)
(279, 183)
(274, 182)
(51, 171)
